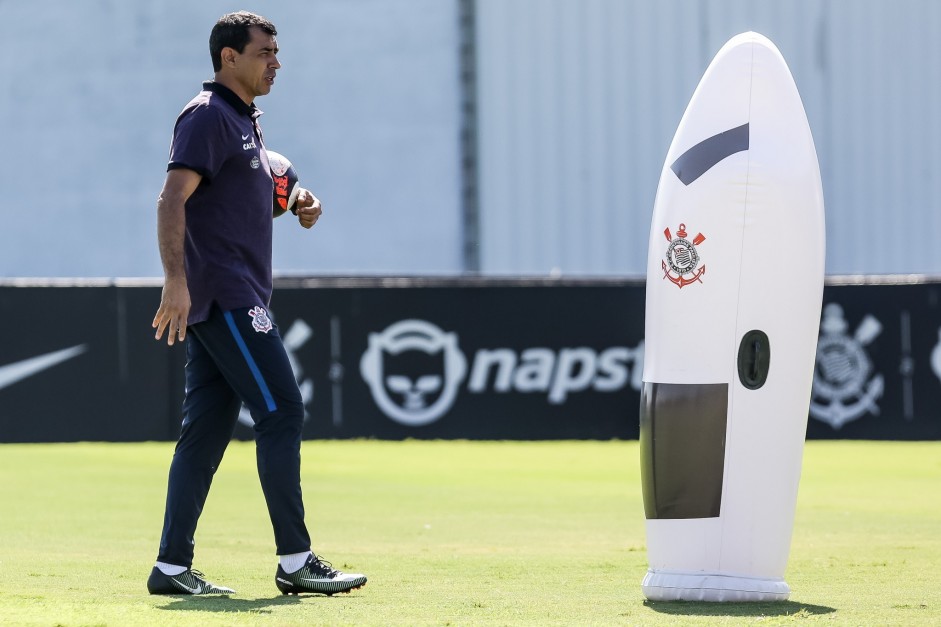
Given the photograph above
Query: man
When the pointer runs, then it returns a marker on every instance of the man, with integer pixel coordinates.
(214, 224)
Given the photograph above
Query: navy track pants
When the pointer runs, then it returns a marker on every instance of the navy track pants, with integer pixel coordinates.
(232, 359)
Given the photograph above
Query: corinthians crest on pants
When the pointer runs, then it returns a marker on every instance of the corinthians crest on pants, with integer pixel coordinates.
(260, 320)
(681, 265)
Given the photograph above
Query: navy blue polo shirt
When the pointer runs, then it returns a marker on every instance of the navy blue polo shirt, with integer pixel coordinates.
(228, 217)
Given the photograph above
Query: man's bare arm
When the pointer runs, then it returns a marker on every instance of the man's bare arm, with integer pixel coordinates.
(171, 229)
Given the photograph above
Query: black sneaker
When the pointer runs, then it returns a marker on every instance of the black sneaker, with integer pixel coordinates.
(317, 576)
(188, 582)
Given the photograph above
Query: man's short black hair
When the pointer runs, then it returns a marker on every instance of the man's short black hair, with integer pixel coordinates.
(232, 31)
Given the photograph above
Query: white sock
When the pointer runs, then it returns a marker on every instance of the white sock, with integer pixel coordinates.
(171, 569)
(293, 562)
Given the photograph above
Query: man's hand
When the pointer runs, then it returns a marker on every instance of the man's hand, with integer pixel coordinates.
(173, 311)
(308, 209)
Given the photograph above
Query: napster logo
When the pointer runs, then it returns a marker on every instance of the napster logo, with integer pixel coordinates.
(414, 371)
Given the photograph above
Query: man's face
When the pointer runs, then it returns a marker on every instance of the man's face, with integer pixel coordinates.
(255, 68)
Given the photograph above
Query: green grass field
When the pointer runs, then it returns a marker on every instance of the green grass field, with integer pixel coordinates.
(451, 533)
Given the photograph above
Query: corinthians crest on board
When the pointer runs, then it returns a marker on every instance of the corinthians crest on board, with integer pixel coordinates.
(682, 263)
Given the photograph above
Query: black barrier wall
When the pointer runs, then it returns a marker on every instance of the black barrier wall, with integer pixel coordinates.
(447, 358)
(76, 363)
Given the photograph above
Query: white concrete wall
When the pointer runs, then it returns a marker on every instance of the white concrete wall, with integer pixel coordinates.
(366, 106)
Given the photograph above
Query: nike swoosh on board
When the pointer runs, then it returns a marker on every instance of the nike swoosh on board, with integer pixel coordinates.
(19, 370)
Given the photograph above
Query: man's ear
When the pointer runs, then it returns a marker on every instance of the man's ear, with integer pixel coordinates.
(228, 56)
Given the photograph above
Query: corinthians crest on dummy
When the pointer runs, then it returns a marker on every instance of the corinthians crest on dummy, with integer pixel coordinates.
(682, 258)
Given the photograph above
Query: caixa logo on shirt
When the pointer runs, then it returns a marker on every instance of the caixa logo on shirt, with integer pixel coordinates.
(415, 370)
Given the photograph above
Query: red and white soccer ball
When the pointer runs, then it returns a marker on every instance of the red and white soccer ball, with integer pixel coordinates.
(286, 187)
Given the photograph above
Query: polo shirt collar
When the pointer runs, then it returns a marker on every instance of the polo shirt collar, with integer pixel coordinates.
(230, 97)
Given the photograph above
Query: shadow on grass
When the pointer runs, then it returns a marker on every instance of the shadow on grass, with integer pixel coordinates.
(776, 608)
(223, 603)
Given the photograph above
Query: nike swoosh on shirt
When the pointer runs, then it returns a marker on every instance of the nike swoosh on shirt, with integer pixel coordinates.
(244, 137)
(19, 370)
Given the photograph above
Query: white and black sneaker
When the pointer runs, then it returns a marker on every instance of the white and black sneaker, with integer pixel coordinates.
(188, 582)
(317, 576)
